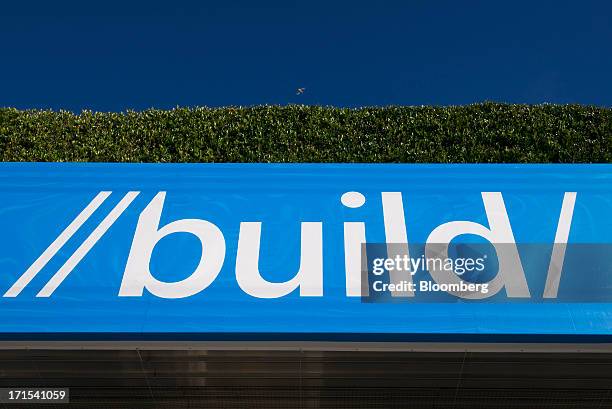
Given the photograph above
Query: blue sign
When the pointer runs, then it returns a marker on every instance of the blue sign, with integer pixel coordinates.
(305, 251)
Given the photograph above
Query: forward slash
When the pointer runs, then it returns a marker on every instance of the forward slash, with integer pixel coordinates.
(89, 242)
(57, 244)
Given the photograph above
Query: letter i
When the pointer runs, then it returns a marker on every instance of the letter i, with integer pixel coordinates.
(354, 239)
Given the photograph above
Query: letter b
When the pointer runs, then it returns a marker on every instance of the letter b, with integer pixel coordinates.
(137, 275)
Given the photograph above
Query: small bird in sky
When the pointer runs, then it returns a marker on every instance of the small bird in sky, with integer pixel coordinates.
(300, 91)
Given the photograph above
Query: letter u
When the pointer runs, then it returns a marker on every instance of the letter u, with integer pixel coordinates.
(309, 277)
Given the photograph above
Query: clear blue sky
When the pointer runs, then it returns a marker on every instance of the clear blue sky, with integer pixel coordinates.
(113, 55)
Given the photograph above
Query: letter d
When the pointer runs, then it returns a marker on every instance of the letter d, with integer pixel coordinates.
(137, 275)
(510, 275)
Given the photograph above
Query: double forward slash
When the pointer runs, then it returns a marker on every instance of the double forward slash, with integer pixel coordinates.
(80, 252)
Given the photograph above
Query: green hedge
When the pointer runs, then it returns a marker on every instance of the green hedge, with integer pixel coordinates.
(475, 133)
